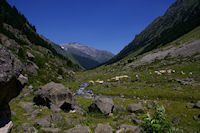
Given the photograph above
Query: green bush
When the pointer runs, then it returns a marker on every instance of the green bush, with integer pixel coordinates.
(157, 123)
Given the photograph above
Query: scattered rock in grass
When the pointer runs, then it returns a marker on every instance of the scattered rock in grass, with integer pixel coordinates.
(26, 128)
(197, 105)
(35, 113)
(56, 118)
(128, 128)
(43, 122)
(30, 56)
(135, 121)
(50, 130)
(154, 103)
(13, 113)
(136, 108)
(178, 88)
(195, 118)
(30, 87)
(106, 128)
(102, 105)
(119, 108)
(55, 93)
(79, 111)
(27, 106)
(189, 106)
(68, 121)
(78, 121)
(184, 81)
(184, 115)
(78, 129)
(149, 106)
(132, 116)
(27, 92)
(175, 121)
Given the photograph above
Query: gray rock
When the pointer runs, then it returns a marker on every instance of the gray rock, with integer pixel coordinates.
(30, 56)
(195, 118)
(27, 106)
(78, 121)
(178, 89)
(149, 106)
(136, 108)
(119, 108)
(22, 79)
(9, 43)
(31, 67)
(128, 128)
(197, 105)
(13, 113)
(79, 110)
(102, 105)
(35, 113)
(78, 129)
(55, 108)
(56, 118)
(175, 121)
(43, 122)
(57, 94)
(50, 130)
(27, 92)
(68, 121)
(135, 121)
(154, 103)
(106, 128)
(11, 84)
(27, 128)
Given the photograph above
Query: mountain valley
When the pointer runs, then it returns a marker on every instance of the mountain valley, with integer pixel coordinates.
(152, 85)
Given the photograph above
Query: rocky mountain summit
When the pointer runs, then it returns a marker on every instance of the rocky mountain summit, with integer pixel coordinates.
(87, 57)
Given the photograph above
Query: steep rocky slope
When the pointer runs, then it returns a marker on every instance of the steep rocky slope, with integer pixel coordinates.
(26, 58)
(87, 57)
(181, 17)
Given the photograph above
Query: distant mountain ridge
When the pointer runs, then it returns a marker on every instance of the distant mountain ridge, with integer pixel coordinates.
(180, 18)
(87, 56)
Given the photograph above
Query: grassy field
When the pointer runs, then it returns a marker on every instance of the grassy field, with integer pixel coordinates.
(142, 84)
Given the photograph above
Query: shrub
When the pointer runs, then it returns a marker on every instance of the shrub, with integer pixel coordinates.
(157, 123)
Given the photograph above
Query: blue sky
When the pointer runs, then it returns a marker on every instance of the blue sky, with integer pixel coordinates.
(103, 24)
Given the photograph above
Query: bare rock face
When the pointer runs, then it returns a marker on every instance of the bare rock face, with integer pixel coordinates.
(57, 94)
(102, 105)
(11, 83)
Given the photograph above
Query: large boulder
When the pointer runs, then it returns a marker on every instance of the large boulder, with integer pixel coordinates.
(57, 94)
(11, 83)
(102, 105)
